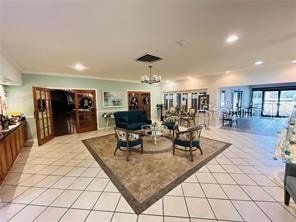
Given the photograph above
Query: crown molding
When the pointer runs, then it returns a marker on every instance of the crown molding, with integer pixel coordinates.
(77, 76)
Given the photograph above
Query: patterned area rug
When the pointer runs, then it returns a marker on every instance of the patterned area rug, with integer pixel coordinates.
(147, 177)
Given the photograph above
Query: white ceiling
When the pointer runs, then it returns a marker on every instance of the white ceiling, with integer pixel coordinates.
(48, 36)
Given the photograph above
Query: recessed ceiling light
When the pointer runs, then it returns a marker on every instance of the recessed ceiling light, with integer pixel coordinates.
(258, 63)
(79, 67)
(227, 71)
(294, 61)
(232, 38)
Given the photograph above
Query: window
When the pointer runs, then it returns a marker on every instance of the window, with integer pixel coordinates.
(194, 99)
(222, 99)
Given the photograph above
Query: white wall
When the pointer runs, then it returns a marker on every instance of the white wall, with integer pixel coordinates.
(267, 75)
(9, 74)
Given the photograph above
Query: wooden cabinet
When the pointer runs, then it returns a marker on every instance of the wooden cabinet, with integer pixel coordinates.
(10, 146)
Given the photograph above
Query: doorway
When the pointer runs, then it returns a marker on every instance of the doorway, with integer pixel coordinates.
(61, 112)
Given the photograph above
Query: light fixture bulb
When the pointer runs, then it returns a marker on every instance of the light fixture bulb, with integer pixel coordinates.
(79, 67)
(258, 63)
(232, 38)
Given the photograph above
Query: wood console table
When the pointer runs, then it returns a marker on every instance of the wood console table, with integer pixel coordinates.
(11, 143)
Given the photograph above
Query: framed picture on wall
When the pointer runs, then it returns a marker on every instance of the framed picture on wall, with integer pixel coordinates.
(139, 100)
(112, 98)
(203, 102)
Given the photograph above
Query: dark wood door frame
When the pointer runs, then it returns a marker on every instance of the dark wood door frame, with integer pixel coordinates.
(42, 105)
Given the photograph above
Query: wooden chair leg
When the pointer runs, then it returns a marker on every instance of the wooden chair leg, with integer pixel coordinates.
(191, 154)
(115, 150)
(127, 154)
(200, 149)
(174, 147)
(287, 197)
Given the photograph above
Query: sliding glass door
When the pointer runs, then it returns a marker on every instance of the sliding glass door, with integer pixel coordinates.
(287, 100)
(274, 102)
(270, 103)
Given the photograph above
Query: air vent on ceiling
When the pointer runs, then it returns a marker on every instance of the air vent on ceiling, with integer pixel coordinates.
(148, 58)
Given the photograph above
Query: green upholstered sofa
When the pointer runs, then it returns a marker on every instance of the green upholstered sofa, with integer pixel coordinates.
(131, 120)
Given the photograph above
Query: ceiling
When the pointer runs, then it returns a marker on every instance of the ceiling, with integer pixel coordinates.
(48, 36)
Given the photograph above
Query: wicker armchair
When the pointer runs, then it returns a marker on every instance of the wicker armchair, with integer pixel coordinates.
(188, 117)
(189, 139)
(172, 123)
(128, 140)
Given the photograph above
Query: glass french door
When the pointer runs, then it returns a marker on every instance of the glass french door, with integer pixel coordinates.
(86, 113)
(43, 114)
(270, 103)
(286, 103)
(278, 103)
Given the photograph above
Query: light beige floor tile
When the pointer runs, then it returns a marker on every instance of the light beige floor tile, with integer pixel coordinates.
(90, 172)
(150, 218)
(111, 187)
(191, 179)
(95, 216)
(216, 169)
(175, 206)
(51, 214)
(47, 197)
(107, 201)
(64, 182)
(276, 212)
(16, 178)
(122, 217)
(29, 195)
(224, 210)
(61, 171)
(257, 193)
(231, 169)
(234, 192)
(81, 183)
(48, 181)
(123, 206)
(98, 184)
(11, 192)
(200, 208)
(175, 219)
(28, 214)
(205, 177)
(275, 192)
(7, 211)
(177, 191)
(213, 191)
(223, 178)
(192, 190)
(102, 174)
(261, 180)
(31, 181)
(86, 200)
(242, 179)
(74, 215)
(66, 199)
(48, 170)
(155, 209)
(249, 211)
(76, 171)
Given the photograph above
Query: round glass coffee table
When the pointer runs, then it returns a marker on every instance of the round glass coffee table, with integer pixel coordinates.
(154, 131)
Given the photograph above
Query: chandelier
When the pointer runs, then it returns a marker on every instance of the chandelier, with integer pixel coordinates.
(150, 79)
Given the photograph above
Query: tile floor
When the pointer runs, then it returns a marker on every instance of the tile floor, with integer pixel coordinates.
(60, 181)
